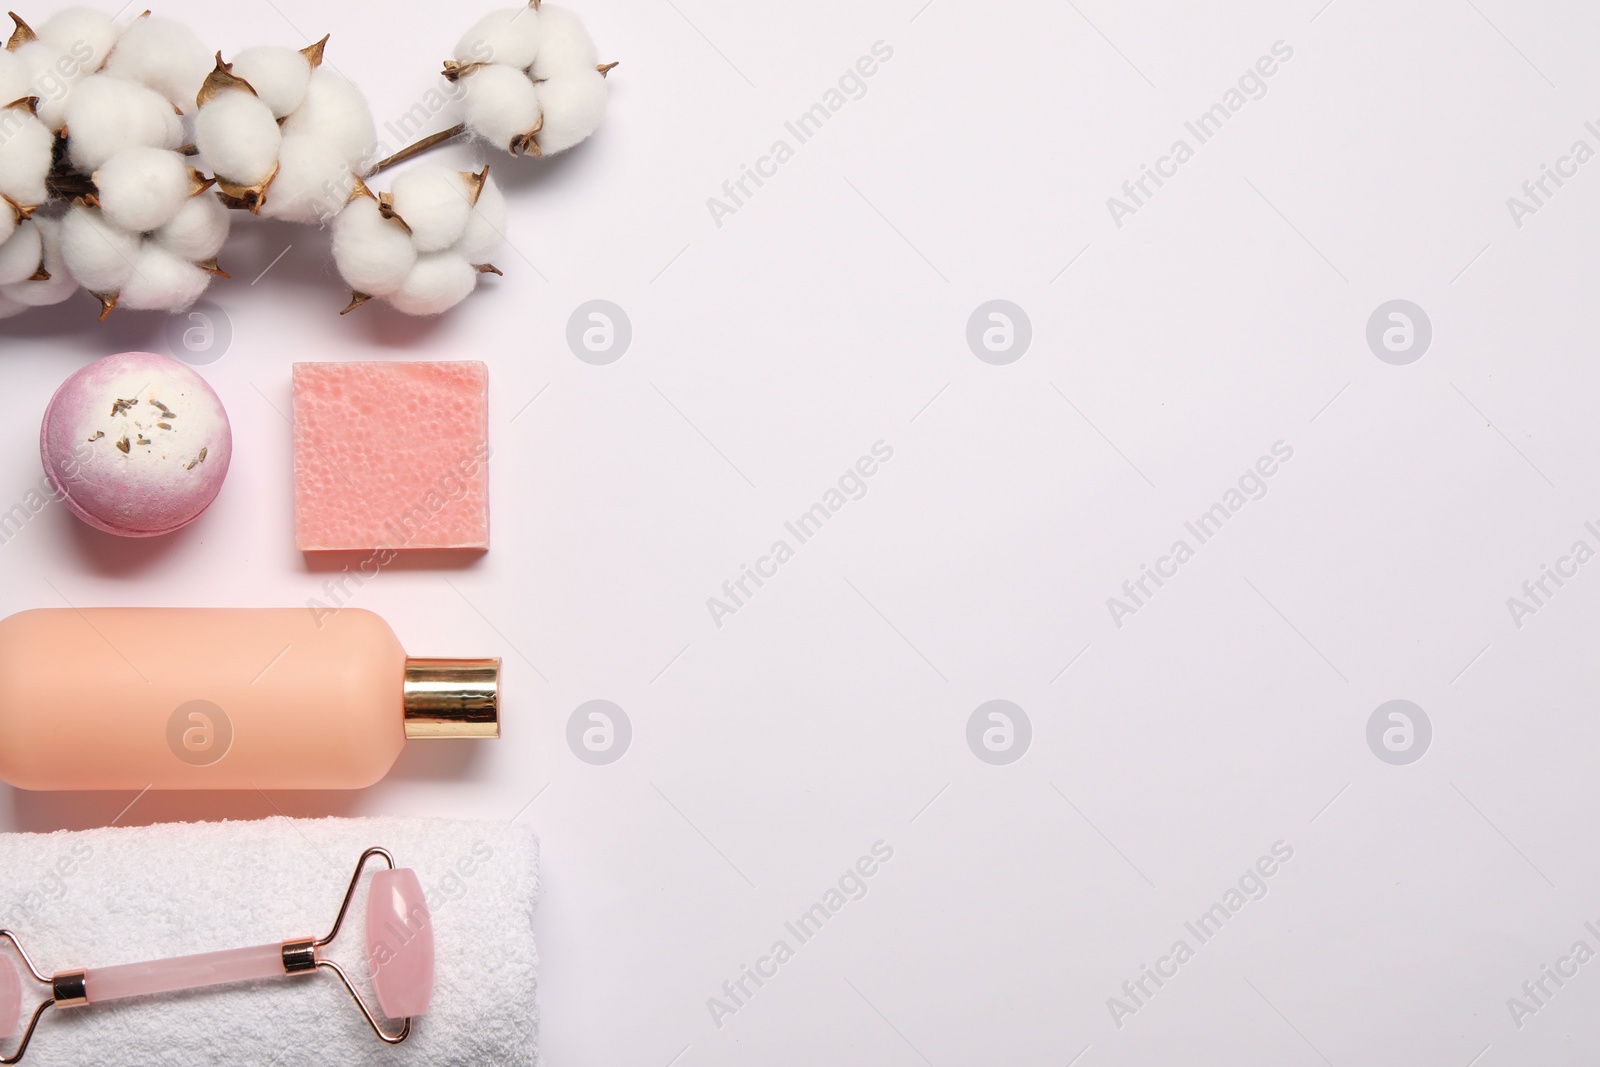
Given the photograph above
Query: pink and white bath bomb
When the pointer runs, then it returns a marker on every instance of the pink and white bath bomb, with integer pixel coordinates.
(136, 444)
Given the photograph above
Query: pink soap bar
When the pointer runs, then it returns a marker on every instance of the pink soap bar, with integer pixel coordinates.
(391, 456)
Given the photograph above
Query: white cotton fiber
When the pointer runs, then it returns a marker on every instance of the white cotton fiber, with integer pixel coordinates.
(312, 183)
(435, 203)
(98, 254)
(500, 104)
(9, 307)
(142, 188)
(438, 282)
(509, 36)
(9, 221)
(14, 84)
(336, 114)
(573, 105)
(238, 136)
(164, 55)
(21, 254)
(60, 285)
(197, 232)
(25, 147)
(160, 281)
(278, 75)
(564, 44)
(486, 226)
(106, 114)
(51, 75)
(83, 33)
(374, 254)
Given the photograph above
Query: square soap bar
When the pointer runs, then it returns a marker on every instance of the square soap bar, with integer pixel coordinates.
(391, 455)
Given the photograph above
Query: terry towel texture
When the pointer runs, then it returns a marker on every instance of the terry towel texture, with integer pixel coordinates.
(119, 895)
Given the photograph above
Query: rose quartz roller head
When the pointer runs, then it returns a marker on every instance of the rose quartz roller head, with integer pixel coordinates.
(399, 954)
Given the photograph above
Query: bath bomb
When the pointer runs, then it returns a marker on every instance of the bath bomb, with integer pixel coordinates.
(391, 456)
(136, 444)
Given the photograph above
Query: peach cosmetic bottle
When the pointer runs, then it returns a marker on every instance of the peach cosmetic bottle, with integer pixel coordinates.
(223, 698)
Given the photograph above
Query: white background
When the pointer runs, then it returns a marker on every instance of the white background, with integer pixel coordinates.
(828, 313)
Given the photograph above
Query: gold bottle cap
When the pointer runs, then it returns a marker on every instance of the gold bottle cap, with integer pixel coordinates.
(452, 697)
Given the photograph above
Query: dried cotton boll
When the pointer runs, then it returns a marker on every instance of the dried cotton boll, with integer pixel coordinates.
(509, 36)
(99, 255)
(278, 75)
(25, 148)
(435, 203)
(198, 231)
(486, 226)
(83, 33)
(572, 105)
(60, 285)
(438, 282)
(374, 254)
(500, 104)
(105, 115)
(312, 183)
(238, 136)
(564, 46)
(335, 113)
(21, 254)
(160, 281)
(164, 55)
(140, 189)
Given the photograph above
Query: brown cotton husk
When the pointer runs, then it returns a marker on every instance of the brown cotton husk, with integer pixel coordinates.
(488, 268)
(313, 52)
(40, 275)
(221, 79)
(246, 197)
(199, 183)
(356, 300)
(108, 301)
(386, 209)
(475, 183)
(31, 103)
(211, 268)
(526, 144)
(21, 35)
(607, 68)
(454, 71)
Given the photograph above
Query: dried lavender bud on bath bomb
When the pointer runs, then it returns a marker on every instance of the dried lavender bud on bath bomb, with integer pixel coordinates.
(136, 444)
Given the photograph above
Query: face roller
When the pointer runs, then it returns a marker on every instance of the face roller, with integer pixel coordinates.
(399, 954)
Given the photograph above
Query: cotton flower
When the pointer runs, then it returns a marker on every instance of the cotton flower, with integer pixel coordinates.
(142, 189)
(421, 247)
(533, 80)
(163, 55)
(107, 114)
(161, 281)
(98, 190)
(51, 281)
(291, 148)
(127, 269)
(21, 254)
(198, 231)
(25, 154)
(69, 46)
(279, 76)
(239, 137)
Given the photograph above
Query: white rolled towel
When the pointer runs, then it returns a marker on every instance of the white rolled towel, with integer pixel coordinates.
(90, 898)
